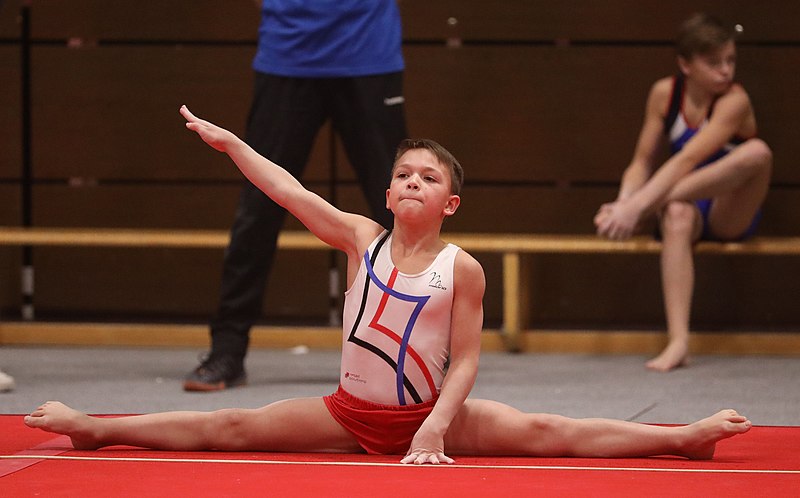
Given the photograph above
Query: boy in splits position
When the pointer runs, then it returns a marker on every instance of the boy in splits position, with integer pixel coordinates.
(413, 302)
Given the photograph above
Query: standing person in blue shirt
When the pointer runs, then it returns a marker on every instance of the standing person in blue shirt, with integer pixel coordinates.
(317, 60)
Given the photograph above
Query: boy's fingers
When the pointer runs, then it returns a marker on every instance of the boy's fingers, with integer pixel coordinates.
(424, 457)
(186, 113)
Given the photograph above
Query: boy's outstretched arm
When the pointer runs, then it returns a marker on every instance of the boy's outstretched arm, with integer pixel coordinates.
(344, 231)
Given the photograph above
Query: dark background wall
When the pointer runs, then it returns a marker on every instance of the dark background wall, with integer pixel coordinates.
(541, 101)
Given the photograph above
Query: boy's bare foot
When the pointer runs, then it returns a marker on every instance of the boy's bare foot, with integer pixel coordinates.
(703, 435)
(57, 417)
(673, 356)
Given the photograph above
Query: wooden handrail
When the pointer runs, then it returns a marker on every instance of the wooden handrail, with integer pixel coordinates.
(478, 242)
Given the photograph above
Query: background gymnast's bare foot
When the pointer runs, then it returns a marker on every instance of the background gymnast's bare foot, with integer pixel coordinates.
(673, 356)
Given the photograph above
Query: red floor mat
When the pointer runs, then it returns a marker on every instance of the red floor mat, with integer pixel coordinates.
(763, 462)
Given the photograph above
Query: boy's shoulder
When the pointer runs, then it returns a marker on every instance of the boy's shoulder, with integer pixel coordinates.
(736, 90)
(735, 101)
(467, 267)
(663, 87)
(660, 95)
(664, 84)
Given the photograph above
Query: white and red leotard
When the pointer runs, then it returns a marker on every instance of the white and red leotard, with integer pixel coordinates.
(396, 333)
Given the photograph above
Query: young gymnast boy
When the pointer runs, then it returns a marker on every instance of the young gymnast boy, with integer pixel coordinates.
(413, 303)
(715, 181)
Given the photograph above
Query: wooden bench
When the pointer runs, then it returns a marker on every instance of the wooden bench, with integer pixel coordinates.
(510, 246)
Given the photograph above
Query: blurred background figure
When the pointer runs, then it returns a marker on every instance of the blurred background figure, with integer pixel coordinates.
(713, 184)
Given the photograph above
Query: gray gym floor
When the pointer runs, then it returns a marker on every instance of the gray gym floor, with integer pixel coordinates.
(117, 380)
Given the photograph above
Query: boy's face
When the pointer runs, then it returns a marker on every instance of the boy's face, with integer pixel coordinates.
(714, 71)
(421, 187)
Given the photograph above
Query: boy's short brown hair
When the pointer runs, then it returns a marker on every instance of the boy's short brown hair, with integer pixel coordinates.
(441, 154)
(701, 34)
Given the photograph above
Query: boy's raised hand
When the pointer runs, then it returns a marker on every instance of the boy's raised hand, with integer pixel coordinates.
(211, 134)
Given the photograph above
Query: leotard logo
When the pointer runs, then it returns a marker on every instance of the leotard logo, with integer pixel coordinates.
(436, 281)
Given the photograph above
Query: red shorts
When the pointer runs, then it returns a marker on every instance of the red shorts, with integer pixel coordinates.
(379, 429)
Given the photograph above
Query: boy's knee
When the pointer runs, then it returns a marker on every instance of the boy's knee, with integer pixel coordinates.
(227, 428)
(545, 423)
(760, 153)
(678, 217)
(549, 434)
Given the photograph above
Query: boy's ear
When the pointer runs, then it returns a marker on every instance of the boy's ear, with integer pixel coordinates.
(387, 200)
(452, 205)
(683, 65)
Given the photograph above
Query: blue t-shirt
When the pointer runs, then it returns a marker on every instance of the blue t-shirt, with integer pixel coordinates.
(329, 38)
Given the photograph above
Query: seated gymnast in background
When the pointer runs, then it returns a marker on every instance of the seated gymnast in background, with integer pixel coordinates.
(413, 315)
(714, 183)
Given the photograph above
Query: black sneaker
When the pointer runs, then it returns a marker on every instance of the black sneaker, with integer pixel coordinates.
(215, 373)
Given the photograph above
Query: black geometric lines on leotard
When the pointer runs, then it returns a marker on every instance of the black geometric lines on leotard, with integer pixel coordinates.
(369, 346)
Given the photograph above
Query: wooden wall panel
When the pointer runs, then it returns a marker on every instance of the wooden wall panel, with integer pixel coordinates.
(10, 258)
(483, 208)
(571, 114)
(527, 209)
(582, 20)
(781, 213)
(571, 210)
(10, 296)
(136, 206)
(579, 291)
(140, 206)
(10, 208)
(765, 73)
(163, 282)
(533, 113)
(624, 291)
(548, 123)
(9, 15)
(10, 113)
(113, 112)
(229, 20)
(578, 20)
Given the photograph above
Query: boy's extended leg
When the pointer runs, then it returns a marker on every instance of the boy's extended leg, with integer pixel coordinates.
(296, 425)
(490, 428)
